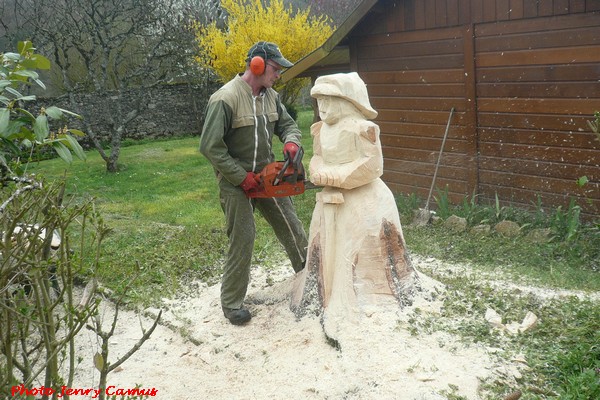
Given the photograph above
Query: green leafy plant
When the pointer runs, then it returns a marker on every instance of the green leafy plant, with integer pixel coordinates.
(443, 203)
(472, 211)
(407, 204)
(579, 370)
(595, 125)
(567, 222)
(539, 216)
(20, 128)
(40, 311)
(582, 181)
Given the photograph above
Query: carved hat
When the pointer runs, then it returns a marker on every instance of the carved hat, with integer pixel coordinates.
(347, 86)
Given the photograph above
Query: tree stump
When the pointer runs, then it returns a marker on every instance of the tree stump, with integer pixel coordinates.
(357, 259)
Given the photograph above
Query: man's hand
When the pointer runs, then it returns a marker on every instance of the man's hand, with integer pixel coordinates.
(289, 150)
(249, 182)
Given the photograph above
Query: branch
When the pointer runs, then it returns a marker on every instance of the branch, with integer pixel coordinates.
(137, 345)
(18, 192)
(86, 297)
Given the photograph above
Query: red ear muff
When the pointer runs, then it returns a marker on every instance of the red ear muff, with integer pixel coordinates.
(257, 65)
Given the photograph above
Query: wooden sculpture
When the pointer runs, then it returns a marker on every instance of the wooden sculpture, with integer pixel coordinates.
(357, 259)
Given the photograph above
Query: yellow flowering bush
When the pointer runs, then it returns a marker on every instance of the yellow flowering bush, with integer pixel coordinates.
(248, 21)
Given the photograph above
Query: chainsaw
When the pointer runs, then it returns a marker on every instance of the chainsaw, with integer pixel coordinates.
(281, 178)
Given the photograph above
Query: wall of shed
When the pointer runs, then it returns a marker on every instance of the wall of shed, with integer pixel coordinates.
(523, 77)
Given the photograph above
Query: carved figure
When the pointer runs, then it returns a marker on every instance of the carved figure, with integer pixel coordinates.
(357, 259)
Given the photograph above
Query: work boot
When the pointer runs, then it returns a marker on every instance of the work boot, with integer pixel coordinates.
(237, 316)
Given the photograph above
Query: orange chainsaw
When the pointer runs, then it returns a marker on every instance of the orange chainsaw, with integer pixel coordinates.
(281, 178)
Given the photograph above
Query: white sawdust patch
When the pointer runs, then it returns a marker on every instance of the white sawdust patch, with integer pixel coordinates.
(196, 354)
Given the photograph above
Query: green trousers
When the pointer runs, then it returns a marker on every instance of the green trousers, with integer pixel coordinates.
(241, 231)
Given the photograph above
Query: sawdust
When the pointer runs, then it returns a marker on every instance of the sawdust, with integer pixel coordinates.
(196, 354)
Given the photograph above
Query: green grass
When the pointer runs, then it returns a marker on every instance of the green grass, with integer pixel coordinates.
(570, 259)
(167, 227)
(562, 351)
(553, 264)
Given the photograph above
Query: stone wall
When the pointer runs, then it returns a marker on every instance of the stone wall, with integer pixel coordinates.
(167, 111)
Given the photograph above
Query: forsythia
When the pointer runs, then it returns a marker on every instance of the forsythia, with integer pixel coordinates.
(224, 51)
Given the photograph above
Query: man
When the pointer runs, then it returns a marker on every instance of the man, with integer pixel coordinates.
(241, 119)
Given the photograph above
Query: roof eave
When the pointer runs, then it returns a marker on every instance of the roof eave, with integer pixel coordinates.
(320, 53)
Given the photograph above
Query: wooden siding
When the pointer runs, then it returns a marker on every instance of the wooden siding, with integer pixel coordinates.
(414, 79)
(537, 84)
(523, 77)
(409, 15)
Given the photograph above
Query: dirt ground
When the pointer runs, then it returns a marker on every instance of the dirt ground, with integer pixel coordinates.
(196, 354)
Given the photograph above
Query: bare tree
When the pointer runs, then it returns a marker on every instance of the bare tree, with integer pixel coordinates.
(203, 11)
(337, 10)
(107, 47)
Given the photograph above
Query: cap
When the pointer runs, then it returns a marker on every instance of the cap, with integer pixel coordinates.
(268, 51)
(348, 86)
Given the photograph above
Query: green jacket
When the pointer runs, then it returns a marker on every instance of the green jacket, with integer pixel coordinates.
(239, 127)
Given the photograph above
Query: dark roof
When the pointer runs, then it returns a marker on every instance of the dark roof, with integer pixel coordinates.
(333, 53)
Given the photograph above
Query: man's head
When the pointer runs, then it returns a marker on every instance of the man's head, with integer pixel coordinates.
(261, 53)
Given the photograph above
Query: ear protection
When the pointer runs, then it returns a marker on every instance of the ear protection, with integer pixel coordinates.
(258, 63)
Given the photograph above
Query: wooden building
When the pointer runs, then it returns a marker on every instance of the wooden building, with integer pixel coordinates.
(522, 75)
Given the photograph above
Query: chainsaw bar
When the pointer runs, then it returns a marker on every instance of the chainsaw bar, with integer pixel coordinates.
(311, 186)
